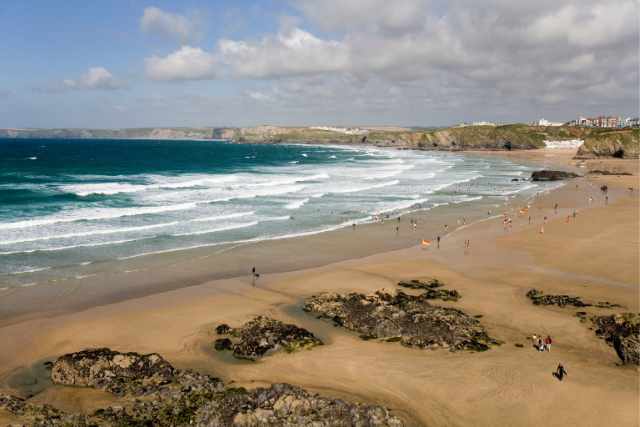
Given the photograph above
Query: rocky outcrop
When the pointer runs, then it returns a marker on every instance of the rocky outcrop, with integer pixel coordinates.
(421, 284)
(262, 335)
(409, 319)
(622, 331)
(622, 144)
(539, 298)
(191, 399)
(552, 175)
(431, 290)
(118, 373)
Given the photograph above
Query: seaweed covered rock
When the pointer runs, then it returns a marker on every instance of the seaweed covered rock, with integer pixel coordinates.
(421, 284)
(552, 175)
(431, 289)
(406, 318)
(539, 298)
(263, 334)
(277, 405)
(286, 405)
(190, 398)
(118, 373)
(622, 331)
(38, 415)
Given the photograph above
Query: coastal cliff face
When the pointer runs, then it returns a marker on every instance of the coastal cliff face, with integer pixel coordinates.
(598, 142)
(516, 137)
(133, 133)
(624, 144)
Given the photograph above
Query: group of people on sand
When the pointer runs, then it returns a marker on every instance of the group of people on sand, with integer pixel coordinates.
(544, 344)
(541, 344)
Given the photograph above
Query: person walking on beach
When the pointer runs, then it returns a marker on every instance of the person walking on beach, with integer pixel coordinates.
(555, 208)
(547, 343)
(560, 372)
(255, 275)
(438, 240)
(397, 230)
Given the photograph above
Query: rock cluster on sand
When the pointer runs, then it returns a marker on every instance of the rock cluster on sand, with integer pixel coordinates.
(551, 175)
(410, 319)
(622, 331)
(263, 334)
(431, 289)
(539, 298)
(190, 399)
(115, 372)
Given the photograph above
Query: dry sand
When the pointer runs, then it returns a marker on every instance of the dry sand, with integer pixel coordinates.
(595, 256)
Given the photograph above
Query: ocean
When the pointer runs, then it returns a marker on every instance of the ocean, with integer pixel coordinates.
(77, 202)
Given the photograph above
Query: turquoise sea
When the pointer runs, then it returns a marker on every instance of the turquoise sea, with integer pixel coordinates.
(76, 202)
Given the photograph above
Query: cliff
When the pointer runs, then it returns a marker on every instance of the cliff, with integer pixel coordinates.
(133, 133)
(600, 142)
(507, 137)
(624, 143)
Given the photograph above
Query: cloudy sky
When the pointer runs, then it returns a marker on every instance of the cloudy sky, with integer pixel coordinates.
(130, 63)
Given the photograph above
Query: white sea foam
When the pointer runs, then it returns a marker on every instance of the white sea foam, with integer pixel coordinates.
(108, 188)
(296, 204)
(30, 269)
(364, 188)
(221, 217)
(90, 233)
(28, 285)
(400, 206)
(218, 229)
(63, 248)
(95, 214)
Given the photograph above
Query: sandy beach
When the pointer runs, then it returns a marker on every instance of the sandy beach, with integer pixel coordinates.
(594, 256)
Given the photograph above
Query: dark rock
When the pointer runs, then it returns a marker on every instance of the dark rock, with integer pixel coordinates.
(118, 373)
(263, 334)
(442, 294)
(223, 329)
(431, 289)
(195, 399)
(608, 172)
(538, 298)
(410, 318)
(622, 331)
(223, 344)
(606, 304)
(419, 284)
(552, 175)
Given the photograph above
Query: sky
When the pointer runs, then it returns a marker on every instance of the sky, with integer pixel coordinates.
(136, 63)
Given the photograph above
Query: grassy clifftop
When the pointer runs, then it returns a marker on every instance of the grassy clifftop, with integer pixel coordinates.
(515, 136)
(624, 143)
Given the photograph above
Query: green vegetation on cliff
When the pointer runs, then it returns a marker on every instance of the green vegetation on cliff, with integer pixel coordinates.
(623, 143)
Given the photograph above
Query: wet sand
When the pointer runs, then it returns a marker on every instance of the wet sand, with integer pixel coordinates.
(595, 257)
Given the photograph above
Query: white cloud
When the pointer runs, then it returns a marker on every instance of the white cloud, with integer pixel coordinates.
(94, 78)
(187, 63)
(155, 20)
(291, 52)
(500, 59)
